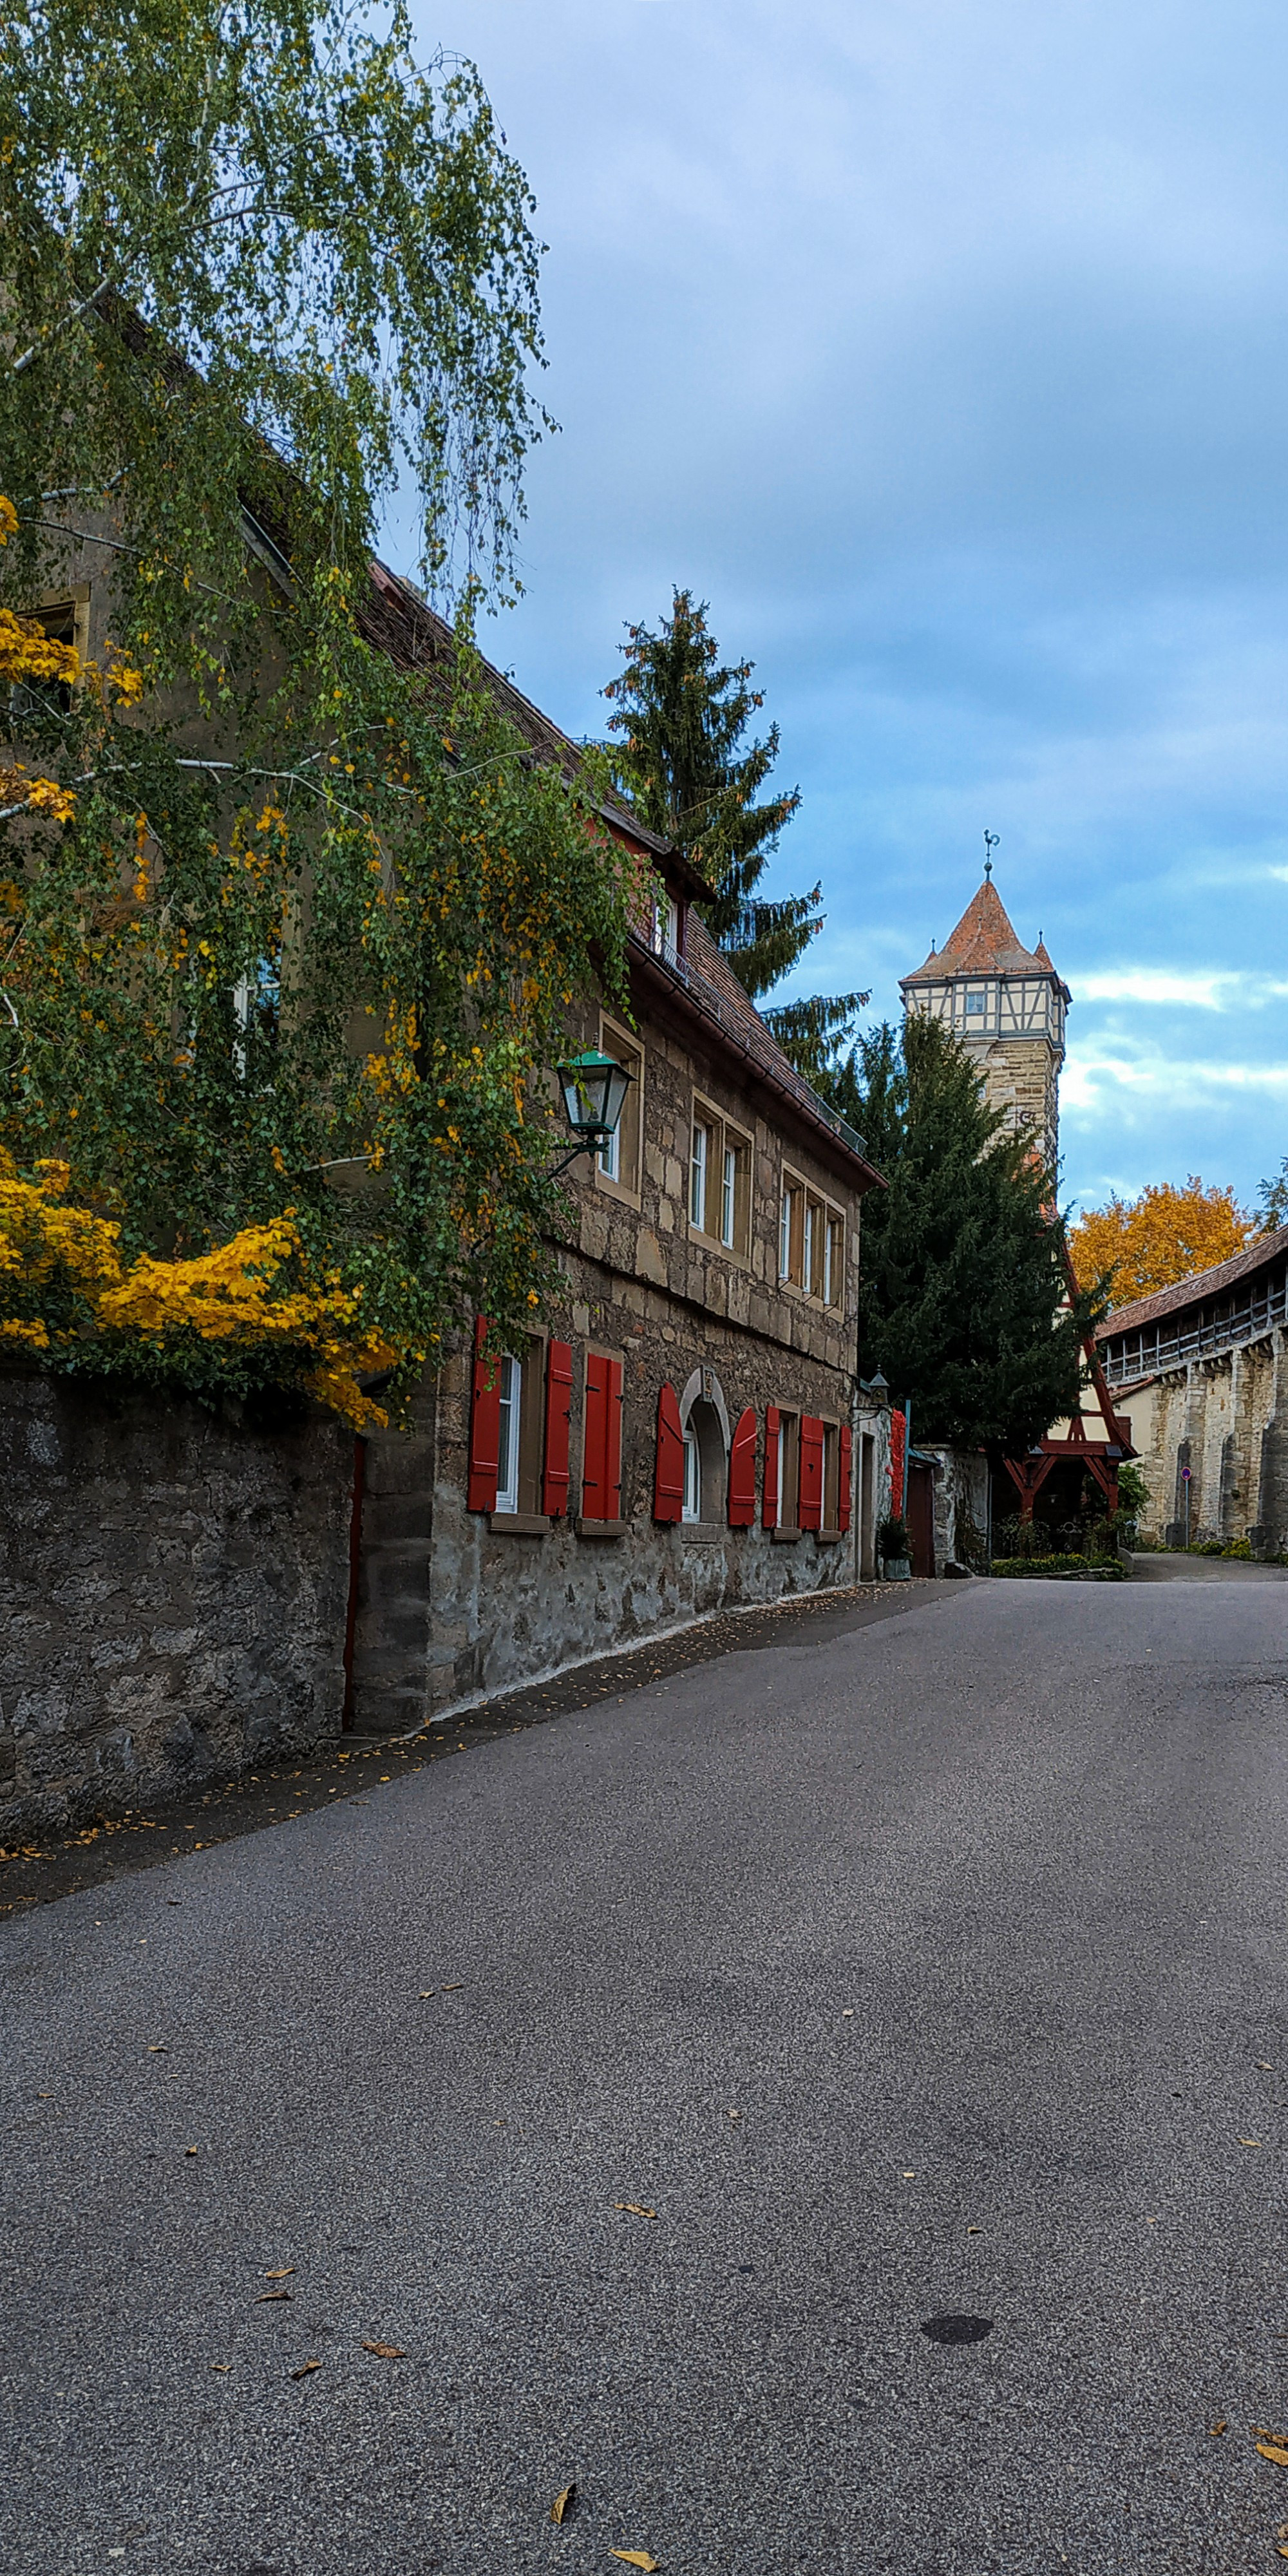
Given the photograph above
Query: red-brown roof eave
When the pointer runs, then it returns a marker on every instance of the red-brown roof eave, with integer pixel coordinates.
(1204, 1285)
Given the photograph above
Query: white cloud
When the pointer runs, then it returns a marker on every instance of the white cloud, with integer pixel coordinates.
(1157, 984)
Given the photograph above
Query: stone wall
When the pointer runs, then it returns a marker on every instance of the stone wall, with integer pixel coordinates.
(961, 1488)
(173, 1591)
(1227, 1420)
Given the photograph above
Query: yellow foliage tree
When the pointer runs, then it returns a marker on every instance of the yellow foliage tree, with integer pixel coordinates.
(1164, 1235)
(62, 1280)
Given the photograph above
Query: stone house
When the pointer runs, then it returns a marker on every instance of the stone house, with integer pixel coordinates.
(681, 1434)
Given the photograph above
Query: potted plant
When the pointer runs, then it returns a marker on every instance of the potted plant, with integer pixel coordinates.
(894, 1548)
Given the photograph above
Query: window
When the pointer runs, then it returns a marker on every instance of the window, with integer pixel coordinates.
(974, 1006)
(833, 1267)
(692, 1509)
(619, 1160)
(698, 1161)
(720, 1181)
(831, 1476)
(507, 1454)
(666, 929)
(64, 623)
(518, 1408)
(788, 1470)
(811, 1243)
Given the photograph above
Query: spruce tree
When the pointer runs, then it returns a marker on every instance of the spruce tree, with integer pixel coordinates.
(679, 719)
(964, 1303)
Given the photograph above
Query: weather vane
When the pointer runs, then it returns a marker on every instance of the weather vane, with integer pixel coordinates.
(990, 844)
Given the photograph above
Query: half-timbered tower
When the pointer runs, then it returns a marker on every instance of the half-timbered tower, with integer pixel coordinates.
(1006, 1004)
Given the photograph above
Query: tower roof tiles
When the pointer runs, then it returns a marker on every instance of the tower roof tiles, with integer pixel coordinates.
(983, 943)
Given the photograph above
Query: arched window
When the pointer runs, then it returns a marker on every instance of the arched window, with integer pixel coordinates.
(704, 1422)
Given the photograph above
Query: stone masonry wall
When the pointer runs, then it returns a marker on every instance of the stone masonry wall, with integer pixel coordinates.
(450, 1605)
(173, 1590)
(1227, 1419)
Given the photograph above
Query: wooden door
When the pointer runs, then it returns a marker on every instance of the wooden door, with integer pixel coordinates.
(921, 1517)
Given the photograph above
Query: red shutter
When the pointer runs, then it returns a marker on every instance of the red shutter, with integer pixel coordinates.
(742, 1472)
(668, 1473)
(811, 1507)
(769, 1490)
(601, 1471)
(554, 1489)
(843, 1500)
(485, 1424)
(613, 1444)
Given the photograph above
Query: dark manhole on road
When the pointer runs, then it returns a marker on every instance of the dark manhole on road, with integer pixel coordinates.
(957, 2329)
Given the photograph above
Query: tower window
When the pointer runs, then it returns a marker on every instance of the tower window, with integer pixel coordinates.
(974, 1006)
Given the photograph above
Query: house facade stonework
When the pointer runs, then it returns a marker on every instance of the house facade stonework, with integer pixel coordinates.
(681, 1434)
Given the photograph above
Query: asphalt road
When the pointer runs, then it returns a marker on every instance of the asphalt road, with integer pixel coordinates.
(934, 1969)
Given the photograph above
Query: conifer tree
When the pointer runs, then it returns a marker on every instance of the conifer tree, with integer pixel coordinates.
(680, 716)
(964, 1302)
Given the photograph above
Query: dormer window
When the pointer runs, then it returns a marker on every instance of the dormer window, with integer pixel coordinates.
(666, 929)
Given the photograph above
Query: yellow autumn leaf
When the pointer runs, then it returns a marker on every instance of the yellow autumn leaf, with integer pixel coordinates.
(1274, 2451)
(564, 2502)
(1219, 2428)
(635, 2208)
(637, 2558)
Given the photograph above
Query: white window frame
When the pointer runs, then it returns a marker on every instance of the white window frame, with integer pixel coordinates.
(666, 929)
(785, 1232)
(698, 1173)
(691, 1507)
(509, 1434)
(610, 1155)
(729, 1197)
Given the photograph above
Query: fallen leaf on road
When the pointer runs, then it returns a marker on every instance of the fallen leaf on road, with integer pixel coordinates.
(1222, 2427)
(849, 2015)
(1281, 2552)
(910, 2177)
(190, 2151)
(386, 2351)
(305, 2368)
(974, 2231)
(221, 2365)
(282, 2274)
(563, 2503)
(636, 2558)
(266, 2297)
(157, 2048)
(429, 1990)
(455, 1990)
(1265, 2066)
(636, 2211)
(1274, 2451)
(1249, 2142)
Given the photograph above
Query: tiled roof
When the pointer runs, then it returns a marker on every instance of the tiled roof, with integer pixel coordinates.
(1198, 1291)
(403, 625)
(983, 943)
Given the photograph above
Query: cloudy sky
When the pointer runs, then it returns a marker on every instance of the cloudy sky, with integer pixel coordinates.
(942, 346)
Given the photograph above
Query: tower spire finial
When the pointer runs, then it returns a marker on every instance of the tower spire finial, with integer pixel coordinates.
(990, 844)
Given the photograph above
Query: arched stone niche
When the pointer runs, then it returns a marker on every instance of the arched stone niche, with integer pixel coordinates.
(704, 1419)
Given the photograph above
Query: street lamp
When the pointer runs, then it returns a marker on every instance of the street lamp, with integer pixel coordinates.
(594, 1087)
